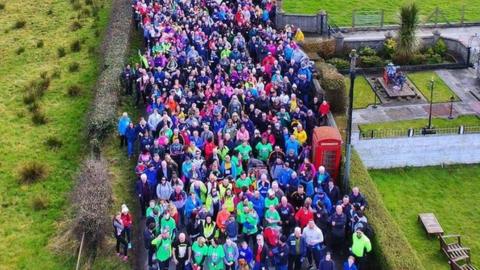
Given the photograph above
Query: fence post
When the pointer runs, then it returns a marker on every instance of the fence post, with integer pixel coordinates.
(372, 134)
(461, 130)
(353, 19)
(339, 42)
(382, 18)
(80, 251)
(410, 132)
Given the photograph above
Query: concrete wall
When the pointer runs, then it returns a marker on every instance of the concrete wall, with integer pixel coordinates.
(418, 151)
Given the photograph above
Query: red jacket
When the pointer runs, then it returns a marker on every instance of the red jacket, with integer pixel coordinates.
(324, 109)
(303, 216)
(126, 219)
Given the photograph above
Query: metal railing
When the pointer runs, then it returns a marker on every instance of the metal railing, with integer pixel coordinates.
(416, 132)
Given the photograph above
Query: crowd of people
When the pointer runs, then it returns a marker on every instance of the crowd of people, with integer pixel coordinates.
(224, 177)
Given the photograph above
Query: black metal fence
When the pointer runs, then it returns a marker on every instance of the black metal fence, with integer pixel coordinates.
(417, 132)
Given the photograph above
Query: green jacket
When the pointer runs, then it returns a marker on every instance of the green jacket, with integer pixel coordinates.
(263, 150)
(240, 183)
(164, 248)
(272, 215)
(215, 257)
(250, 224)
(168, 224)
(360, 245)
(269, 202)
(240, 212)
(199, 253)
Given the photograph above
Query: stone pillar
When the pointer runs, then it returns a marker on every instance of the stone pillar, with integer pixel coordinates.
(388, 35)
(436, 36)
(339, 42)
(323, 22)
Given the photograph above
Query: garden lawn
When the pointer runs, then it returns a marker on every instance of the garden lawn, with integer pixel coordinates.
(465, 120)
(340, 11)
(441, 91)
(451, 193)
(26, 232)
(363, 94)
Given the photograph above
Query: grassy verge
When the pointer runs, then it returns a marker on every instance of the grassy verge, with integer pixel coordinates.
(441, 91)
(466, 120)
(391, 248)
(32, 36)
(340, 11)
(363, 92)
(446, 192)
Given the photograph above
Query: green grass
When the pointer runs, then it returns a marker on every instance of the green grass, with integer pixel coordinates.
(363, 93)
(441, 91)
(449, 193)
(340, 11)
(466, 120)
(26, 233)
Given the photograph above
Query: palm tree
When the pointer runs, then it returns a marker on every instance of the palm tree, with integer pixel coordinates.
(407, 42)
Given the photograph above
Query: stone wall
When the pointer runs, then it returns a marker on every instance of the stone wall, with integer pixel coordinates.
(316, 23)
(418, 151)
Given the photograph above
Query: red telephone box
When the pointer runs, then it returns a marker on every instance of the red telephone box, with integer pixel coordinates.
(327, 149)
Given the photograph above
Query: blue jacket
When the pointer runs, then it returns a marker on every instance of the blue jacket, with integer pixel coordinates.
(151, 178)
(309, 189)
(190, 205)
(284, 177)
(246, 254)
(292, 243)
(292, 145)
(123, 124)
(346, 267)
(259, 206)
(326, 202)
(131, 134)
(231, 229)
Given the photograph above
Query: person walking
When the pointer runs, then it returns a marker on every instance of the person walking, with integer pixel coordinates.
(297, 249)
(361, 246)
(118, 231)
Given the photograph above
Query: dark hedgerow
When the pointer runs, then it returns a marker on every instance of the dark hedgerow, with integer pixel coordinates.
(74, 67)
(61, 52)
(2, 6)
(32, 172)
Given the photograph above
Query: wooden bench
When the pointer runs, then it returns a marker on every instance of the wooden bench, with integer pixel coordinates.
(461, 264)
(430, 223)
(454, 249)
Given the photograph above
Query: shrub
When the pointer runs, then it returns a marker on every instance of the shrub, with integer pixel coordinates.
(20, 50)
(367, 51)
(34, 107)
(74, 90)
(2, 6)
(91, 201)
(389, 48)
(391, 247)
(56, 74)
(39, 118)
(74, 67)
(53, 143)
(340, 64)
(434, 59)
(19, 24)
(371, 61)
(32, 172)
(29, 98)
(50, 12)
(440, 47)
(92, 49)
(76, 25)
(418, 59)
(333, 83)
(39, 44)
(76, 6)
(75, 46)
(88, 2)
(40, 202)
(84, 13)
(61, 52)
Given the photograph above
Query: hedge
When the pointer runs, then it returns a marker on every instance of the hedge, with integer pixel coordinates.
(114, 51)
(333, 83)
(391, 248)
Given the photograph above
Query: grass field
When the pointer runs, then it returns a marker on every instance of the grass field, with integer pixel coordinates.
(466, 120)
(32, 33)
(363, 94)
(340, 11)
(450, 193)
(441, 91)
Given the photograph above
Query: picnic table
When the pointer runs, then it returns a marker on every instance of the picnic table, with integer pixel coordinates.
(430, 223)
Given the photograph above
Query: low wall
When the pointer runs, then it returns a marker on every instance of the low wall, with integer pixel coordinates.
(317, 23)
(418, 151)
